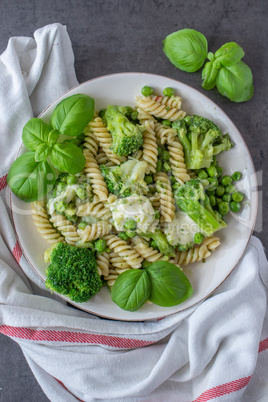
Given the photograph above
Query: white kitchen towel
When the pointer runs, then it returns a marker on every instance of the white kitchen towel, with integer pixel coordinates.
(216, 350)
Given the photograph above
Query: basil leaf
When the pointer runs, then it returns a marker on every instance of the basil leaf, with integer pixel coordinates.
(131, 289)
(169, 285)
(30, 180)
(53, 137)
(34, 133)
(187, 49)
(42, 152)
(236, 82)
(67, 157)
(209, 74)
(72, 114)
(229, 54)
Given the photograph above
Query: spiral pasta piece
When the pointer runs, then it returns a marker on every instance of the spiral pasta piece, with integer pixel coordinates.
(103, 260)
(200, 252)
(90, 141)
(104, 138)
(96, 208)
(147, 252)
(94, 231)
(102, 159)
(164, 134)
(155, 201)
(149, 147)
(93, 172)
(167, 203)
(125, 250)
(42, 224)
(65, 227)
(144, 116)
(165, 107)
(177, 162)
(118, 263)
(111, 277)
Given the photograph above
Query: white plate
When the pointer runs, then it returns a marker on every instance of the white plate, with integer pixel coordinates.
(205, 277)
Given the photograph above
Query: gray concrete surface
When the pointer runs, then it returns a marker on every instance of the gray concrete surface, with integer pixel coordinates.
(119, 35)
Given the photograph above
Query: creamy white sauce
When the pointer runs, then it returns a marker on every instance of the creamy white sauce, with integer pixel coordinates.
(67, 196)
(135, 207)
(181, 230)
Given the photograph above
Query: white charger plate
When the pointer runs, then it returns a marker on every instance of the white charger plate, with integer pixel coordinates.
(121, 89)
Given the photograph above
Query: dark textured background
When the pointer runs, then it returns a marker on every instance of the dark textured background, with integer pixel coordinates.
(119, 35)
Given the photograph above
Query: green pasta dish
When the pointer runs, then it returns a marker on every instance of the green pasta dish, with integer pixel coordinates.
(136, 194)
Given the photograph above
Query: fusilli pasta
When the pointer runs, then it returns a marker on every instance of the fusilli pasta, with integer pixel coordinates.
(177, 163)
(149, 147)
(93, 172)
(200, 252)
(94, 231)
(96, 208)
(165, 107)
(65, 227)
(124, 250)
(147, 252)
(167, 203)
(43, 226)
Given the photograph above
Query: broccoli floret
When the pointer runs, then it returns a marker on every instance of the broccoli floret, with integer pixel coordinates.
(127, 137)
(72, 272)
(201, 140)
(161, 242)
(126, 179)
(192, 199)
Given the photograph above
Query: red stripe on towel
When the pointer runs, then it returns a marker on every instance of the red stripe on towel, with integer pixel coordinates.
(223, 389)
(17, 252)
(3, 182)
(72, 337)
(263, 345)
(61, 383)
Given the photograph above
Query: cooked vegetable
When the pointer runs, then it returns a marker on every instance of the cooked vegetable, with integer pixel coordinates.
(31, 175)
(126, 179)
(127, 137)
(161, 242)
(201, 140)
(187, 49)
(192, 199)
(72, 272)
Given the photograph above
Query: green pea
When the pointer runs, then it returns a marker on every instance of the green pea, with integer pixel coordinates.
(202, 174)
(165, 156)
(61, 187)
(159, 166)
(72, 179)
(129, 110)
(100, 245)
(166, 167)
(219, 171)
(230, 189)
(220, 190)
(227, 197)
(169, 92)
(134, 115)
(131, 233)
(212, 200)
(235, 206)
(167, 123)
(226, 180)
(60, 206)
(82, 225)
(236, 176)
(123, 236)
(147, 91)
(148, 179)
(81, 193)
(213, 183)
(223, 208)
(212, 171)
(238, 196)
(130, 224)
(210, 192)
(198, 238)
(157, 214)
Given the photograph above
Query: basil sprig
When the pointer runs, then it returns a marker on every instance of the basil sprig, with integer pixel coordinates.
(32, 175)
(187, 49)
(161, 282)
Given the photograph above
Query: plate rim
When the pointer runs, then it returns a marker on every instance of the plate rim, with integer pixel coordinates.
(255, 182)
